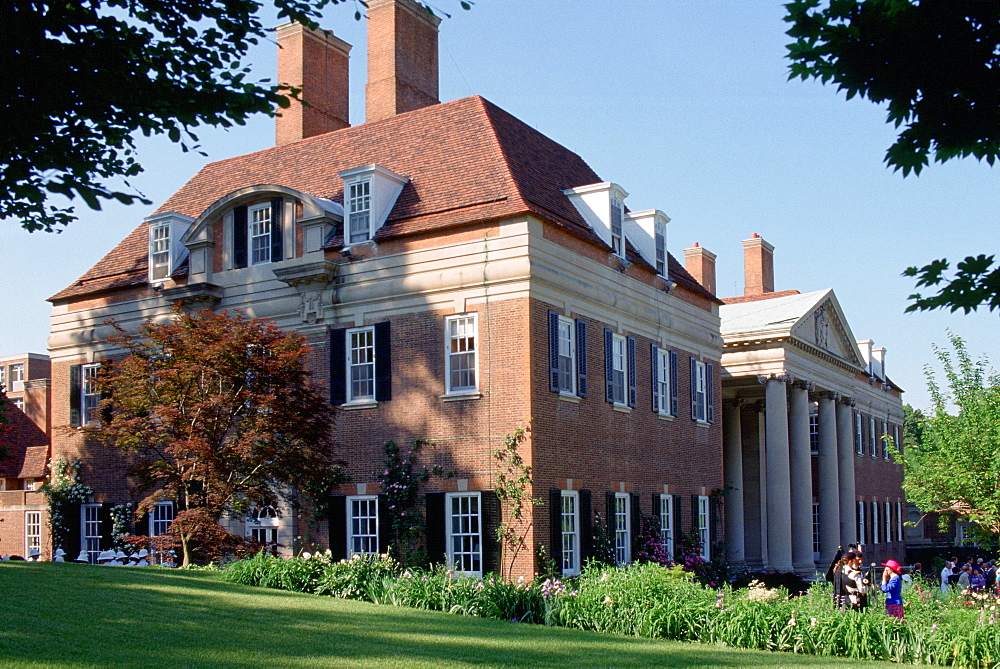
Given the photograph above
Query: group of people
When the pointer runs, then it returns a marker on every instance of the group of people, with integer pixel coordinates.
(972, 576)
(851, 585)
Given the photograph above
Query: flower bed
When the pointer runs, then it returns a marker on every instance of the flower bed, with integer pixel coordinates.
(649, 600)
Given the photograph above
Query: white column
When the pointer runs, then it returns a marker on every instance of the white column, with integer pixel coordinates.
(800, 463)
(845, 471)
(779, 515)
(732, 437)
(828, 479)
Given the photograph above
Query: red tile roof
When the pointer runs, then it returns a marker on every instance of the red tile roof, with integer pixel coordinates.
(740, 299)
(464, 159)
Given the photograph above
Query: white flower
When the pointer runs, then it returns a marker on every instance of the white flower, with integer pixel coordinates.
(813, 622)
(608, 600)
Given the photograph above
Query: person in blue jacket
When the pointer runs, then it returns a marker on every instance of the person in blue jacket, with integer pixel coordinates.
(892, 586)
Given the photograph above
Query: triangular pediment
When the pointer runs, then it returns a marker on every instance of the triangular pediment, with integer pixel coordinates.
(825, 327)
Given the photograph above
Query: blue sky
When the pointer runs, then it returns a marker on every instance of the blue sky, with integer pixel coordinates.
(688, 106)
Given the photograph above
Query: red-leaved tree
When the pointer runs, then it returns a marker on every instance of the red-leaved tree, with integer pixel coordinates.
(219, 414)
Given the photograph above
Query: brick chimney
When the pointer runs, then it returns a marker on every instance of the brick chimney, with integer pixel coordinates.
(402, 58)
(700, 263)
(316, 62)
(758, 266)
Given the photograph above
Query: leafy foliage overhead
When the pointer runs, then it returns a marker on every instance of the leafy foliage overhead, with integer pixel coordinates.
(953, 469)
(976, 282)
(935, 63)
(83, 77)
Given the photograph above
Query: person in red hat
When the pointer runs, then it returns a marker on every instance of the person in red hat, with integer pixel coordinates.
(892, 586)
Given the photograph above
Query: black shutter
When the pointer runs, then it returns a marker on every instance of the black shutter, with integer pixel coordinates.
(555, 527)
(693, 383)
(657, 507)
(338, 366)
(72, 521)
(609, 507)
(107, 525)
(385, 517)
(75, 389)
(581, 357)
(586, 526)
(678, 518)
(337, 512)
(240, 236)
(553, 351)
(609, 383)
(436, 531)
(713, 521)
(636, 522)
(489, 517)
(383, 363)
(694, 517)
(674, 383)
(654, 366)
(277, 233)
(709, 393)
(630, 349)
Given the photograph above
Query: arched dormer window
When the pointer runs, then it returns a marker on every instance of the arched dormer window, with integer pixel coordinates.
(258, 233)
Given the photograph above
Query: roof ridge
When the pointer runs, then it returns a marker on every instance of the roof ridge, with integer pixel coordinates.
(488, 110)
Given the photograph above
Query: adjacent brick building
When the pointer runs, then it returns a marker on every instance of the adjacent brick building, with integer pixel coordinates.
(458, 276)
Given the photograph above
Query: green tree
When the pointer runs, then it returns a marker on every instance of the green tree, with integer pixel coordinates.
(913, 426)
(219, 415)
(936, 66)
(955, 469)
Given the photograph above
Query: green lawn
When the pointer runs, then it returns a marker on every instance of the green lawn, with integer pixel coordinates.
(67, 615)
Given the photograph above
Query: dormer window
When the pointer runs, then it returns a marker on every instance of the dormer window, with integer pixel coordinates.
(159, 251)
(359, 206)
(260, 233)
(660, 241)
(166, 251)
(617, 245)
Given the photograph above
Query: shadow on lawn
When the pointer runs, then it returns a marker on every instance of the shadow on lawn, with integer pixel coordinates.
(67, 614)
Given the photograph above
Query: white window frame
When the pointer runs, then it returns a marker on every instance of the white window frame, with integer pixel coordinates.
(667, 524)
(461, 341)
(660, 245)
(159, 251)
(90, 531)
(17, 402)
(704, 532)
(859, 442)
(569, 516)
(366, 353)
(623, 528)
(899, 521)
(619, 370)
(262, 526)
(663, 381)
(700, 405)
(861, 521)
(875, 524)
(465, 527)
(260, 228)
(815, 526)
(3, 377)
(32, 532)
(872, 443)
(885, 446)
(90, 396)
(362, 525)
(358, 218)
(567, 355)
(888, 523)
(617, 221)
(813, 428)
(160, 517)
(16, 373)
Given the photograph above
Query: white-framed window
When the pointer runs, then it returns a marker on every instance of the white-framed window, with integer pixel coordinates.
(899, 521)
(619, 369)
(461, 360)
(885, 435)
(362, 524)
(660, 232)
(263, 526)
(3, 377)
(160, 517)
(623, 529)
(814, 428)
(90, 538)
(815, 519)
(617, 241)
(259, 218)
(875, 525)
(872, 441)
(359, 206)
(567, 355)
(570, 518)
(966, 535)
(667, 523)
(90, 396)
(464, 532)
(888, 522)
(896, 438)
(699, 392)
(859, 444)
(704, 533)
(16, 373)
(665, 371)
(159, 250)
(361, 364)
(861, 522)
(18, 402)
(32, 531)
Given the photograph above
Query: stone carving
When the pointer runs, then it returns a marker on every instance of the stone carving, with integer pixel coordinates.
(822, 324)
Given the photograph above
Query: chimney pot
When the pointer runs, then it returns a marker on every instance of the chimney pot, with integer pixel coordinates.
(758, 266)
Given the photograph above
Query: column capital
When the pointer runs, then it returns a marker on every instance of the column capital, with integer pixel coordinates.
(734, 403)
(849, 401)
(763, 379)
(831, 395)
(808, 386)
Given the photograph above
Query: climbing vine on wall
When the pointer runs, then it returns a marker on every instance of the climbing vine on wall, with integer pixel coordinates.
(64, 491)
(401, 481)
